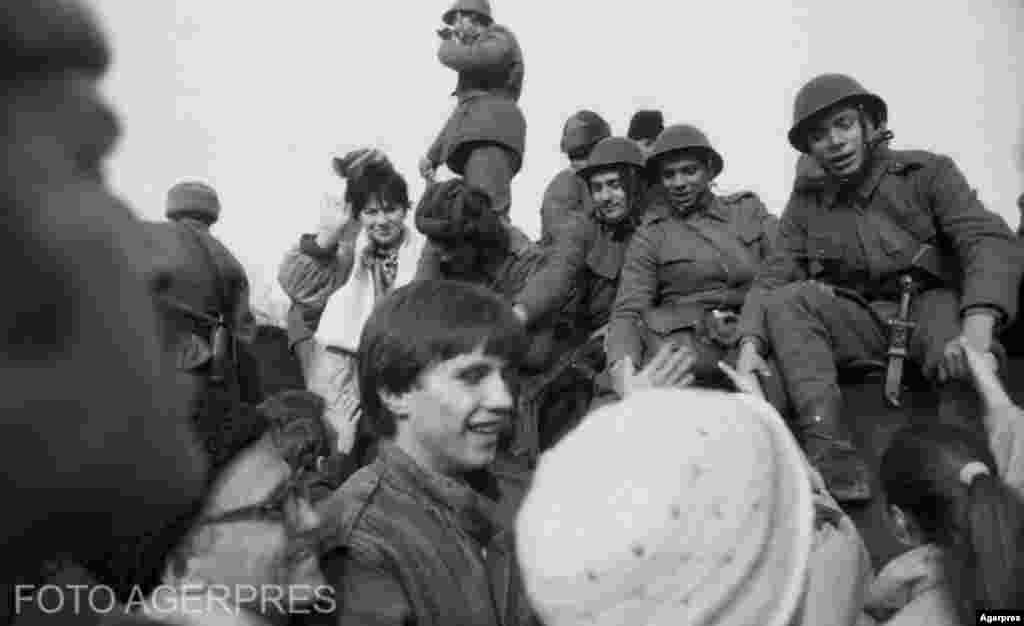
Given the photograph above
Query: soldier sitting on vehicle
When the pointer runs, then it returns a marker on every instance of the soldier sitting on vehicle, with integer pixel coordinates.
(567, 194)
(689, 265)
(846, 243)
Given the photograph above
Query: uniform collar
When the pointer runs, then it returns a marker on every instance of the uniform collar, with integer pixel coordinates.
(661, 208)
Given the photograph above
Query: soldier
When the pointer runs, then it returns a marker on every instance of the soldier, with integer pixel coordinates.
(688, 267)
(644, 128)
(485, 137)
(568, 193)
(614, 176)
(195, 205)
(845, 241)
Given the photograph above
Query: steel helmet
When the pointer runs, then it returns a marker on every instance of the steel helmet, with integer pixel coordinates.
(683, 137)
(613, 151)
(826, 91)
(582, 130)
(480, 7)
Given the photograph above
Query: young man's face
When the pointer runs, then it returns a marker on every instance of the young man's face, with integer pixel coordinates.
(837, 142)
(451, 419)
(686, 178)
(608, 191)
(258, 533)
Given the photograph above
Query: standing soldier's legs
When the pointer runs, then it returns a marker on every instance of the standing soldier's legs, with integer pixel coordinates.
(813, 332)
(491, 168)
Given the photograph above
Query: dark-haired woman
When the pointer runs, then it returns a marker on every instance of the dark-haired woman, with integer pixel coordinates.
(956, 501)
(363, 251)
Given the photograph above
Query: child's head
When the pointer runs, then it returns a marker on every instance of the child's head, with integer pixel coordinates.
(943, 487)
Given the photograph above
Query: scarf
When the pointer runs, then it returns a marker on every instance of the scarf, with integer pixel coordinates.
(377, 272)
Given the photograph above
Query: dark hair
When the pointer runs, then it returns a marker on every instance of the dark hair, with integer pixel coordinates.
(297, 428)
(377, 179)
(424, 323)
(635, 184)
(980, 526)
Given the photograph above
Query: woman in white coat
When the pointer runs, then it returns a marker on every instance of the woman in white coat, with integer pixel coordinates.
(363, 250)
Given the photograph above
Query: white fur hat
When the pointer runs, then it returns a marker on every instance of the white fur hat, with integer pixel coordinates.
(673, 507)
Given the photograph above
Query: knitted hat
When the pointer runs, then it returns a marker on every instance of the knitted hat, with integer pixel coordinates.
(646, 124)
(193, 199)
(708, 519)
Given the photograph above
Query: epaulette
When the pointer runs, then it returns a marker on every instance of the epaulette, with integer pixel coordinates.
(902, 161)
(736, 198)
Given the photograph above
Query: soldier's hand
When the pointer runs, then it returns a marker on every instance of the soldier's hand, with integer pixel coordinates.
(983, 367)
(428, 169)
(670, 367)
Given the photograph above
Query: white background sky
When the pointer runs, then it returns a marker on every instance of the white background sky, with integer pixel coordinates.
(253, 96)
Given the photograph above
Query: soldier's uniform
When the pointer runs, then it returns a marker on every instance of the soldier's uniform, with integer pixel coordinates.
(485, 137)
(567, 194)
(680, 269)
(911, 211)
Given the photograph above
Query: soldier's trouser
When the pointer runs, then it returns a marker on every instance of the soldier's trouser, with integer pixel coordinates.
(490, 167)
(814, 332)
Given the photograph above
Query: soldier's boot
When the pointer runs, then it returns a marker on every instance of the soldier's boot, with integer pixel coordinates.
(831, 451)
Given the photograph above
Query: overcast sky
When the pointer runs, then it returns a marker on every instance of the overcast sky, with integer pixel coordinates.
(253, 96)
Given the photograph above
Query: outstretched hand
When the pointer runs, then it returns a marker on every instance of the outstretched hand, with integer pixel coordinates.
(671, 367)
(745, 383)
(983, 369)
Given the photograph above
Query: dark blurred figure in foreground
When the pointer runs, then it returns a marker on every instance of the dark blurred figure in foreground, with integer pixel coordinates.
(93, 439)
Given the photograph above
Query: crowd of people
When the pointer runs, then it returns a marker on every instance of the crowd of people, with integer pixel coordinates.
(638, 418)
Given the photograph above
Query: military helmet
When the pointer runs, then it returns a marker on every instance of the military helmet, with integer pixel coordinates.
(582, 130)
(826, 91)
(613, 151)
(480, 7)
(683, 137)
